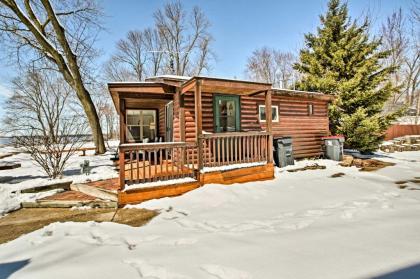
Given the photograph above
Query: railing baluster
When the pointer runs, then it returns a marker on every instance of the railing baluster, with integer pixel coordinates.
(150, 165)
(172, 164)
(137, 167)
(209, 157)
(218, 151)
(161, 164)
(240, 149)
(131, 166)
(156, 166)
(223, 151)
(231, 149)
(181, 162)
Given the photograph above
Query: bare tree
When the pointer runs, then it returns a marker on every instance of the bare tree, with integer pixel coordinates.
(38, 115)
(185, 39)
(395, 40)
(135, 57)
(57, 35)
(402, 38)
(272, 66)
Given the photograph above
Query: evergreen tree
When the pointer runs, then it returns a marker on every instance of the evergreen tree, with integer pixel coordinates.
(343, 61)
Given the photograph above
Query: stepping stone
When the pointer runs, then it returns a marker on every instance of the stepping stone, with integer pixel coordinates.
(9, 166)
(61, 185)
(69, 199)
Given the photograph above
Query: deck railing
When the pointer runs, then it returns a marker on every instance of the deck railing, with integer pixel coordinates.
(151, 162)
(222, 149)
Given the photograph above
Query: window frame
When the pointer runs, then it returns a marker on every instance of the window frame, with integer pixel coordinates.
(156, 117)
(276, 107)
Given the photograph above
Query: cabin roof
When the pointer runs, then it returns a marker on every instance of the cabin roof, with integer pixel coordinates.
(223, 85)
(164, 86)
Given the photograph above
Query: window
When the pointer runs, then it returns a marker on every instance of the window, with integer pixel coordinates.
(310, 109)
(274, 113)
(141, 125)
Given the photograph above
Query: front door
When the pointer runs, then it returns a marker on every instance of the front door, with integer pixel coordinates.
(169, 116)
(226, 113)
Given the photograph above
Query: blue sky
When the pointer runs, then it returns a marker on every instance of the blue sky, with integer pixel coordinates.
(238, 27)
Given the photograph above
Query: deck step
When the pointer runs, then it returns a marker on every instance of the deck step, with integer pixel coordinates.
(69, 199)
(96, 192)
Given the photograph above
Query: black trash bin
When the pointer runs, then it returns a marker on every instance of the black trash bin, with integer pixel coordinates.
(283, 152)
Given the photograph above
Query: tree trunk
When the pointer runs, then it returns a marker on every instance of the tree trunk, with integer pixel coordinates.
(418, 109)
(92, 117)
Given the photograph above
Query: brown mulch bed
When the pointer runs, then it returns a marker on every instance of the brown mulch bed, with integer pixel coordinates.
(27, 220)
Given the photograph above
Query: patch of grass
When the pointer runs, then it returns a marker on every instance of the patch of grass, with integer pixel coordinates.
(27, 220)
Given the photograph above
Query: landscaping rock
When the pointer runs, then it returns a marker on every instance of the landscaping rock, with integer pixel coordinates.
(61, 185)
(347, 161)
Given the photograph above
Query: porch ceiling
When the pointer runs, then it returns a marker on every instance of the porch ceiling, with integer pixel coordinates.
(138, 93)
(145, 103)
(226, 86)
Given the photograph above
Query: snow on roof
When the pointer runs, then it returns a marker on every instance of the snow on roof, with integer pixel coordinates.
(169, 77)
(296, 91)
(131, 82)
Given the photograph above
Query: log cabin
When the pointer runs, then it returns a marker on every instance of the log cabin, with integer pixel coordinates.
(178, 133)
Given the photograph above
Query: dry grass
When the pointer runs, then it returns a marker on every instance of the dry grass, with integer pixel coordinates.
(27, 220)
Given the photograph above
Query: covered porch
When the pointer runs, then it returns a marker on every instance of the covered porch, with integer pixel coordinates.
(182, 151)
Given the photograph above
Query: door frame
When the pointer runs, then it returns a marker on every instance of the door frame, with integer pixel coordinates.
(216, 120)
(169, 132)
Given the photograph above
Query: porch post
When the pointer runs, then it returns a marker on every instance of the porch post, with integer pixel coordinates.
(198, 112)
(198, 125)
(181, 115)
(269, 128)
(122, 140)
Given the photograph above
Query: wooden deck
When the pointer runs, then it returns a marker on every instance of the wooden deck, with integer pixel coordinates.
(146, 171)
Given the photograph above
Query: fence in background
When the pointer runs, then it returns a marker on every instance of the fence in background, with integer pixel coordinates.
(396, 131)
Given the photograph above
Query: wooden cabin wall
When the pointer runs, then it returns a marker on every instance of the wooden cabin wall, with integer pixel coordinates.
(306, 130)
(207, 111)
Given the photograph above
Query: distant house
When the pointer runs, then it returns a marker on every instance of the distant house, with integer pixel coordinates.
(192, 131)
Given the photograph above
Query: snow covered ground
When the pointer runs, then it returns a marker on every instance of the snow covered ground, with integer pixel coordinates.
(30, 175)
(300, 225)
